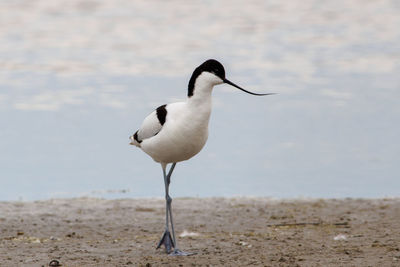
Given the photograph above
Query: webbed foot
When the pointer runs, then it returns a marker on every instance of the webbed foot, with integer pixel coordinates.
(178, 252)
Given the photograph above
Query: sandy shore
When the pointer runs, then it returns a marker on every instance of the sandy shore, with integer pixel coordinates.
(231, 232)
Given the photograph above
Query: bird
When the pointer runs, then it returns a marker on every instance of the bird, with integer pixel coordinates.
(178, 131)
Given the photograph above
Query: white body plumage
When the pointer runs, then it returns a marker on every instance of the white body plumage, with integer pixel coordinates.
(185, 129)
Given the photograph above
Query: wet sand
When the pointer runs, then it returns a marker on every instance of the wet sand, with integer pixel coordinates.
(231, 232)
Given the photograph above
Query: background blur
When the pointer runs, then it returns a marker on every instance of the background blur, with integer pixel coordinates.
(78, 77)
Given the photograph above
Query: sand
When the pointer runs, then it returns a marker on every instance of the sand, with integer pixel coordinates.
(222, 231)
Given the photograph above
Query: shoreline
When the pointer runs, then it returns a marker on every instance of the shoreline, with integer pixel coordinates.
(222, 231)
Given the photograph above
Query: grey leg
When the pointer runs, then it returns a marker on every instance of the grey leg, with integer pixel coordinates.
(166, 239)
(169, 201)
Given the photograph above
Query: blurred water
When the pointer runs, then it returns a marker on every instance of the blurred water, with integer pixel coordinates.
(78, 77)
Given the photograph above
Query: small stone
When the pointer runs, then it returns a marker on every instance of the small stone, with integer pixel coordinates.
(282, 259)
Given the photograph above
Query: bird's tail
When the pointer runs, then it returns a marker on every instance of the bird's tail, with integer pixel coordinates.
(134, 140)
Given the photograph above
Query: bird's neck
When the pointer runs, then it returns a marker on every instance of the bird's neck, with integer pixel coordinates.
(201, 94)
(200, 102)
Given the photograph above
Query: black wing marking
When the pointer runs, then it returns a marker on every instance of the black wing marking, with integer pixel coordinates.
(135, 136)
(161, 114)
(152, 124)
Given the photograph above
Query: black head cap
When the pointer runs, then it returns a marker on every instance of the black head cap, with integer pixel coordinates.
(210, 65)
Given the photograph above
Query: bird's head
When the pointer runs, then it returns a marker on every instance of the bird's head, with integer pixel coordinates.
(212, 73)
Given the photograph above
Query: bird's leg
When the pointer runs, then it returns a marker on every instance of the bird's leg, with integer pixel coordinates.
(169, 201)
(177, 251)
(166, 239)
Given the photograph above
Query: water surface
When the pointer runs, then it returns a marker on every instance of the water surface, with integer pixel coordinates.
(78, 77)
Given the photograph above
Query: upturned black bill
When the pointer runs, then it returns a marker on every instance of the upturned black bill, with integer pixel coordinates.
(238, 87)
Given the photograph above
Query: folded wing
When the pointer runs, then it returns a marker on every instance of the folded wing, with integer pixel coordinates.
(151, 126)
